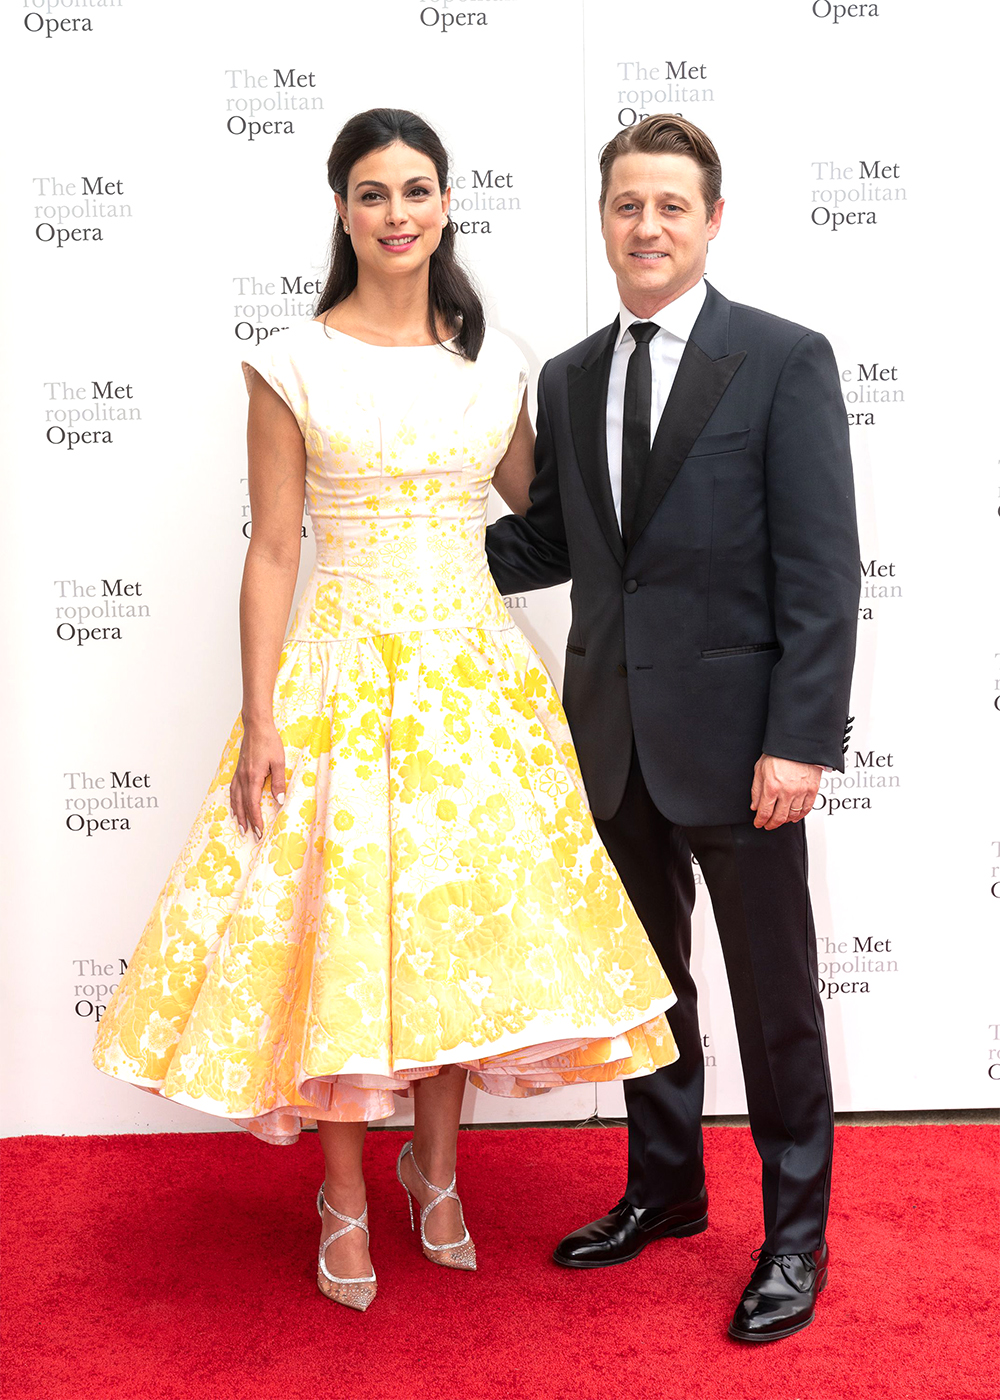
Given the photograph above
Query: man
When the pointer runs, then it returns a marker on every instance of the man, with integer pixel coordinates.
(694, 481)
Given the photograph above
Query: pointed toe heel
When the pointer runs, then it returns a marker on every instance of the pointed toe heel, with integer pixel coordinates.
(350, 1294)
(355, 1293)
(459, 1255)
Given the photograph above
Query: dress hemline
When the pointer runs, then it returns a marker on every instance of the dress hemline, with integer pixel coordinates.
(518, 1078)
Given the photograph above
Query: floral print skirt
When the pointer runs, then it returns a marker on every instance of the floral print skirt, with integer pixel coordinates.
(432, 892)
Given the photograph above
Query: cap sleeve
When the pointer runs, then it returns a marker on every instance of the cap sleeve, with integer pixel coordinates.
(519, 381)
(275, 365)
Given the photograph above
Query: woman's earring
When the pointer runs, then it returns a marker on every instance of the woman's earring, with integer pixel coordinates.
(444, 221)
(347, 230)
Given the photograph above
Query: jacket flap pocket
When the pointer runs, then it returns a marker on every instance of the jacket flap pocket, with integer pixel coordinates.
(720, 442)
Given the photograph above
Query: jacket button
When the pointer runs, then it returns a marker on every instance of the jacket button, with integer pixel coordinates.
(622, 669)
(630, 585)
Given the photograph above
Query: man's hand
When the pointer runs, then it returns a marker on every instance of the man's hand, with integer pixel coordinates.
(783, 791)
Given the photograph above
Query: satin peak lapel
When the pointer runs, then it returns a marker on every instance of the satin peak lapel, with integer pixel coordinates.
(587, 387)
(698, 386)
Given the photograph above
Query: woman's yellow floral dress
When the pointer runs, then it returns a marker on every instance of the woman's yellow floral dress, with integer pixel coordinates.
(433, 890)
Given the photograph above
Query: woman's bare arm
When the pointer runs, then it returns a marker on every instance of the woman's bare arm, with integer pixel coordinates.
(277, 459)
(516, 469)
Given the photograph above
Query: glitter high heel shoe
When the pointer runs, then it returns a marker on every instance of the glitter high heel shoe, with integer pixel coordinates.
(356, 1293)
(461, 1254)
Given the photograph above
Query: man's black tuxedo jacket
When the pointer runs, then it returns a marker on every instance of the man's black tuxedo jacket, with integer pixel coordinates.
(727, 627)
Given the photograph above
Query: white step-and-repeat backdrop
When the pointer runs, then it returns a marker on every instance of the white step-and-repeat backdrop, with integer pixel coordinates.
(166, 206)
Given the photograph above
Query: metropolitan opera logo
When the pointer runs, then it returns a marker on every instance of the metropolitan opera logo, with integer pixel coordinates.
(88, 611)
(842, 186)
(645, 88)
(255, 98)
(74, 210)
(99, 983)
(74, 411)
(96, 802)
(263, 300)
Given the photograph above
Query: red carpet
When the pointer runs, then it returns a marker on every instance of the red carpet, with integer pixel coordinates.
(181, 1267)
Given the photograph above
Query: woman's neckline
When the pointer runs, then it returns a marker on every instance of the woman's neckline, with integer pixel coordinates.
(435, 345)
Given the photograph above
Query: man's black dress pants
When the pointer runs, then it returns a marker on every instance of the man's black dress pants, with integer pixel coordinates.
(758, 885)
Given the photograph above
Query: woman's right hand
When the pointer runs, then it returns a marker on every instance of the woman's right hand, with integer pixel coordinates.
(261, 754)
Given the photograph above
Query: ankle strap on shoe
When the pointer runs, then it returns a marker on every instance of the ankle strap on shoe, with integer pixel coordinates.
(443, 1193)
(349, 1221)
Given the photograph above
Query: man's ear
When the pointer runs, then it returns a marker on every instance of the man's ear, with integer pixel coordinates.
(716, 219)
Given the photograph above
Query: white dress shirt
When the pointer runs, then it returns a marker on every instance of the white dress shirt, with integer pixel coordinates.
(676, 321)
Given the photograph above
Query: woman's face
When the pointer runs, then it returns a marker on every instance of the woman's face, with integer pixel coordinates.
(394, 211)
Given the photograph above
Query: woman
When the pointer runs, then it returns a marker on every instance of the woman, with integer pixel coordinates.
(406, 884)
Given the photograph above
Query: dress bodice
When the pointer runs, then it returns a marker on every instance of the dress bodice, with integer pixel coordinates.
(401, 446)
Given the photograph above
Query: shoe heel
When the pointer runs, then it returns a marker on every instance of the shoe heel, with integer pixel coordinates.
(399, 1177)
(695, 1227)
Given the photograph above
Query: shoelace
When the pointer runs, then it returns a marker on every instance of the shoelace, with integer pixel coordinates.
(762, 1258)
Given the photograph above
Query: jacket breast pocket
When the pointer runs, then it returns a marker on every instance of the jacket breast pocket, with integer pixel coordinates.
(712, 443)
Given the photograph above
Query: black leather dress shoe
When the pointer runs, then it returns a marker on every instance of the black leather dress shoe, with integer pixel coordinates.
(626, 1231)
(781, 1296)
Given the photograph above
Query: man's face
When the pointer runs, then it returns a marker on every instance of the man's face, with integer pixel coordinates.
(656, 228)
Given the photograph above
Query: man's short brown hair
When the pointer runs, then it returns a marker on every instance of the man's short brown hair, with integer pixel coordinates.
(667, 134)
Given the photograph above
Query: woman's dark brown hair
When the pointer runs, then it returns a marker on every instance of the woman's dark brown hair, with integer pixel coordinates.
(452, 299)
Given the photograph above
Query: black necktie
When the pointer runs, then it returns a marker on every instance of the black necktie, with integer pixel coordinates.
(635, 420)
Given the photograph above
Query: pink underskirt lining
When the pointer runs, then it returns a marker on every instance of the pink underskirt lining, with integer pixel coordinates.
(522, 1073)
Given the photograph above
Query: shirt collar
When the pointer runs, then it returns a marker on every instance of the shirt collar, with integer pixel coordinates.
(677, 317)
